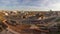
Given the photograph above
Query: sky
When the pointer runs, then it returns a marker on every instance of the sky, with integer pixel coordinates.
(30, 5)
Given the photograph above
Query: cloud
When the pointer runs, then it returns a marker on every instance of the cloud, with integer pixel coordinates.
(53, 4)
(8, 2)
(14, 4)
(30, 4)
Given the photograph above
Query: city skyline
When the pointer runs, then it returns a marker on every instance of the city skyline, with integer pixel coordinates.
(29, 5)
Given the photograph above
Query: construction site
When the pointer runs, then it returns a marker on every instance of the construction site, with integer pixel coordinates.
(30, 22)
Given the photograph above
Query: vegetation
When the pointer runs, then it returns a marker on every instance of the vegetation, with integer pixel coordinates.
(58, 20)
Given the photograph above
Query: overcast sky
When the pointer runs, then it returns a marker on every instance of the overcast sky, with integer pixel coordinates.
(29, 4)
